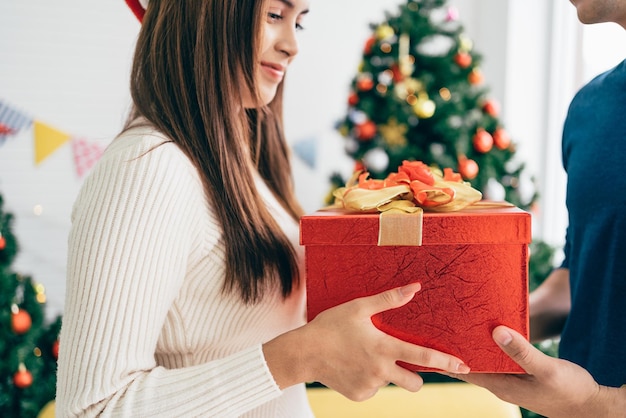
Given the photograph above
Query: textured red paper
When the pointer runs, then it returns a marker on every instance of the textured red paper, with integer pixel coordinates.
(473, 267)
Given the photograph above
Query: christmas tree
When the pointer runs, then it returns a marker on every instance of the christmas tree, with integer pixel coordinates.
(28, 343)
(419, 94)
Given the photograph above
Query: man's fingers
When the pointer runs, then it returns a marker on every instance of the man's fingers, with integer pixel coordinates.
(516, 347)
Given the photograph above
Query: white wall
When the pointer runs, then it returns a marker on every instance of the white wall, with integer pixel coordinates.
(66, 63)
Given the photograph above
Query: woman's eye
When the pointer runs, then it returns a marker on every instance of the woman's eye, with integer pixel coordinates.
(273, 16)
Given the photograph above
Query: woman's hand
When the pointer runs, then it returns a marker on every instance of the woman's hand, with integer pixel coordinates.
(551, 387)
(342, 349)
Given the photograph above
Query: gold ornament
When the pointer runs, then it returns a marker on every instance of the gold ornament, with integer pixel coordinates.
(413, 85)
(40, 290)
(465, 43)
(394, 133)
(408, 87)
(424, 108)
(384, 32)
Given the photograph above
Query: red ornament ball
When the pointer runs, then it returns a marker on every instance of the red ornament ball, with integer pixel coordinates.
(483, 141)
(463, 59)
(22, 378)
(3, 243)
(501, 139)
(369, 44)
(366, 130)
(55, 349)
(21, 321)
(475, 77)
(353, 99)
(365, 84)
(468, 168)
(491, 108)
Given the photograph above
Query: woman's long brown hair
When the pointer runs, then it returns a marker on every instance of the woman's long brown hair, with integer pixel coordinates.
(192, 62)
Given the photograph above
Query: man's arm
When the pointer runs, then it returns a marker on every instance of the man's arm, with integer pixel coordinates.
(550, 305)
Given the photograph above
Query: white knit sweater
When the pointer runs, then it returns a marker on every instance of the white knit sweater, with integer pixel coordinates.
(147, 331)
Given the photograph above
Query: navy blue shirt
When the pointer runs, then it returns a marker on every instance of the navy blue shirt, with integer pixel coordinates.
(594, 157)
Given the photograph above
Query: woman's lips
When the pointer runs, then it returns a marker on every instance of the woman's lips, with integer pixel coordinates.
(275, 71)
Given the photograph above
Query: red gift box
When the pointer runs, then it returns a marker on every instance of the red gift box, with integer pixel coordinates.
(472, 264)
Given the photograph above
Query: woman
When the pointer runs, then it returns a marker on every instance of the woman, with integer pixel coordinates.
(184, 295)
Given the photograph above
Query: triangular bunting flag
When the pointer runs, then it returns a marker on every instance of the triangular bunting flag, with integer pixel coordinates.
(47, 140)
(11, 121)
(5, 130)
(306, 150)
(85, 154)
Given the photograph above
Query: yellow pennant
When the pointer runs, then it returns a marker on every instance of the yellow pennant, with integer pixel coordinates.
(47, 140)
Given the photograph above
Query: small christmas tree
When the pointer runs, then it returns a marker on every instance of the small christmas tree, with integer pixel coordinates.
(28, 344)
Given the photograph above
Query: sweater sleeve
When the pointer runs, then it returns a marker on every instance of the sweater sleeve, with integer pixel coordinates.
(134, 226)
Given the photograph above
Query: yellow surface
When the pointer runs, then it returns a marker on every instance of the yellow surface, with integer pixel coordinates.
(434, 400)
(47, 411)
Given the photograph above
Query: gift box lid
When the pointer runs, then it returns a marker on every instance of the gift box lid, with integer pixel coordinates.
(485, 223)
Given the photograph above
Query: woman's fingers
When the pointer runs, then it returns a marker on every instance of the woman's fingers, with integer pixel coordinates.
(371, 305)
(356, 358)
(428, 357)
(407, 352)
(407, 379)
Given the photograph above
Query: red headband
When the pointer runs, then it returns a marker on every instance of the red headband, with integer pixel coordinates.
(137, 8)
